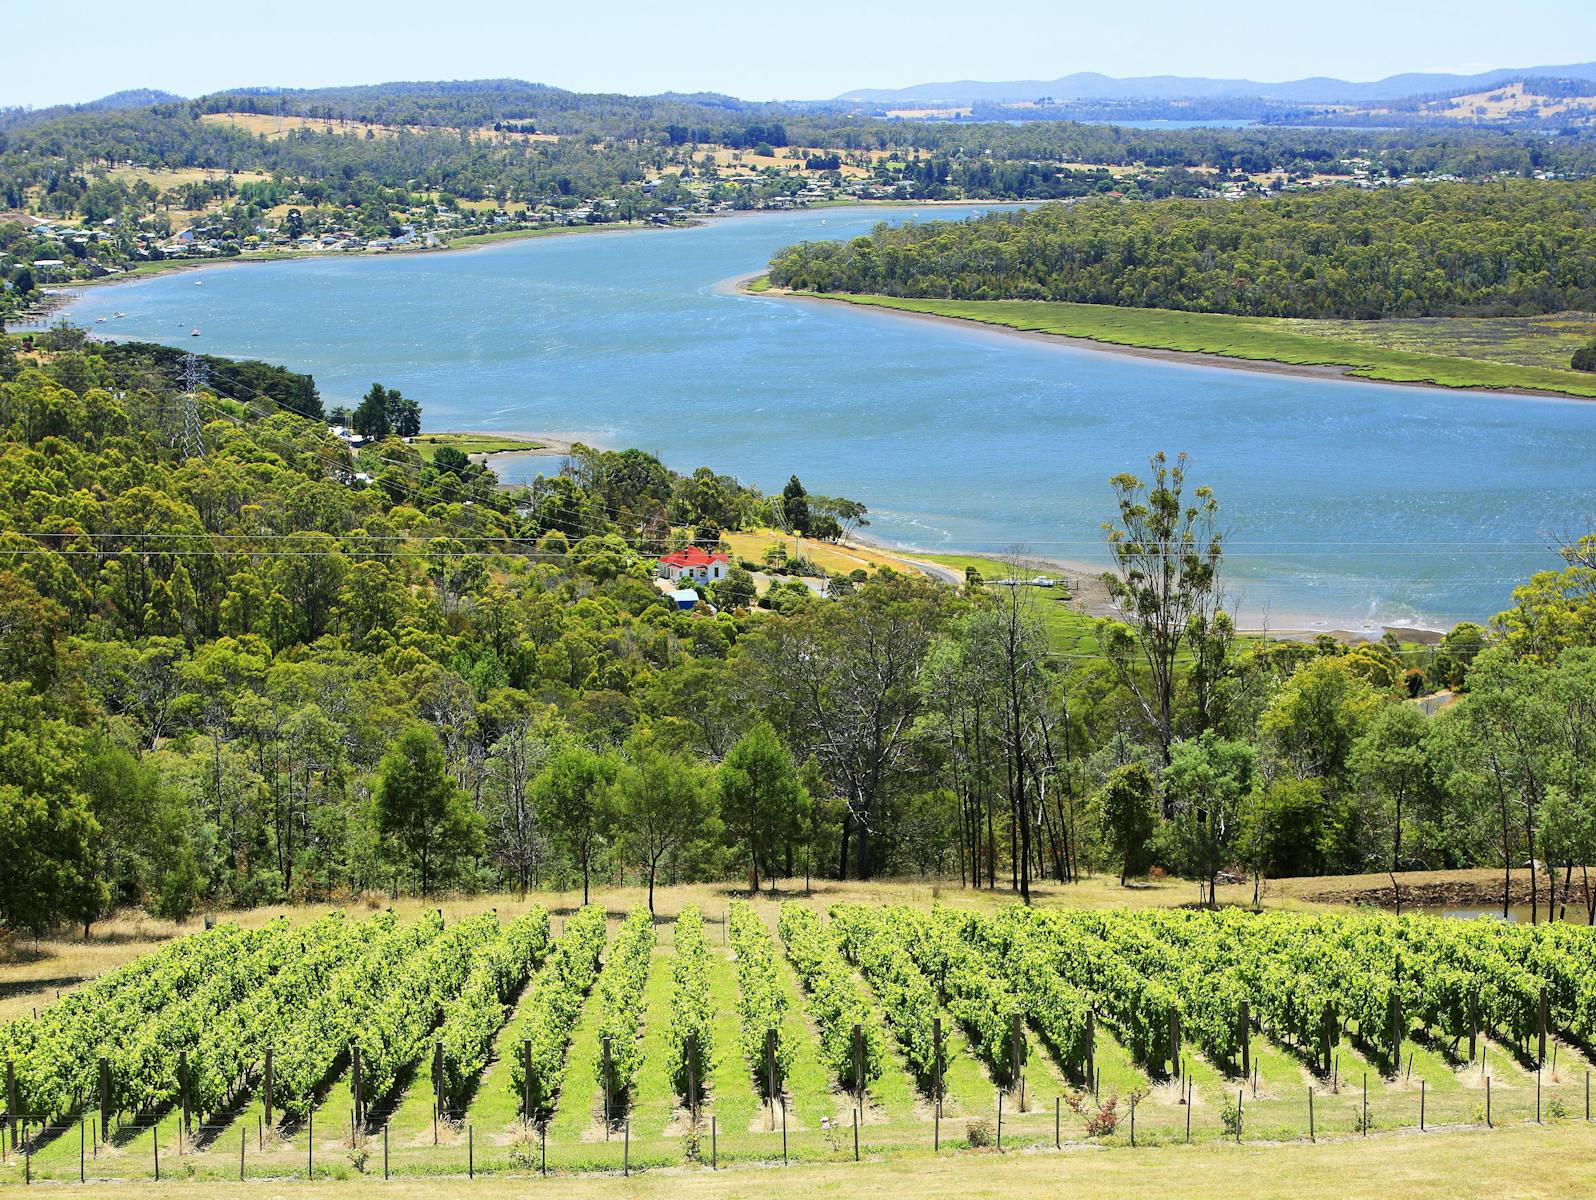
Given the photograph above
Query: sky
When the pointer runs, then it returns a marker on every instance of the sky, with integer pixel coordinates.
(757, 50)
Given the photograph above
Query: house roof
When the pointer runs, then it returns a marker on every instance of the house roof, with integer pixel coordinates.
(692, 556)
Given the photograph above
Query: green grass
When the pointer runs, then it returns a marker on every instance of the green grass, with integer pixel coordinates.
(1068, 631)
(428, 444)
(1436, 359)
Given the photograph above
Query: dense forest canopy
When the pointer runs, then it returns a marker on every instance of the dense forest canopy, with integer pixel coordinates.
(1441, 249)
(249, 665)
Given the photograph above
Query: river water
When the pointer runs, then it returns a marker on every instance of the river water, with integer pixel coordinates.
(1348, 504)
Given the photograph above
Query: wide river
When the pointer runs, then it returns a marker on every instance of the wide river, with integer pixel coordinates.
(1347, 503)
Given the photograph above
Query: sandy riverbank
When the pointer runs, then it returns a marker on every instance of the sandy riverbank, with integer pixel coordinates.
(1190, 358)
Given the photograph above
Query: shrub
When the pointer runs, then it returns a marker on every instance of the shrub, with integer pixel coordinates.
(979, 1133)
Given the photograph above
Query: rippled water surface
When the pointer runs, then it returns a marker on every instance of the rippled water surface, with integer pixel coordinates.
(1347, 502)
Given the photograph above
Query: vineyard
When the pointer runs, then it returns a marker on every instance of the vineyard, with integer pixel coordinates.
(765, 1032)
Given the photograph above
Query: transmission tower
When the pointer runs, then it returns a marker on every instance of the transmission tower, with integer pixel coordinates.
(189, 438)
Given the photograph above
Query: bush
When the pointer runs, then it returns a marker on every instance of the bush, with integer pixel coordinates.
(1585, 357)
(979, 1133)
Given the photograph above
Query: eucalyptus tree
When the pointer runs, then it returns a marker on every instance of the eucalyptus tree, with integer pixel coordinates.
(1166, 584)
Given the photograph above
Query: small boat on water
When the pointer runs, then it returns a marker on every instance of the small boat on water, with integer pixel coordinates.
(99, 320)
(193, 333)
(119, 315)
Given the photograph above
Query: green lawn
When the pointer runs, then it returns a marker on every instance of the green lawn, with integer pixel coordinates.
(1068, 631)
(1416, 352)
(428, 444)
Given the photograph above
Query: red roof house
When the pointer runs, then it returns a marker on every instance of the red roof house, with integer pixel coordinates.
(693, 563)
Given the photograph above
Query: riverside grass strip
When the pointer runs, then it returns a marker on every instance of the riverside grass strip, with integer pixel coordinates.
(1260, 339)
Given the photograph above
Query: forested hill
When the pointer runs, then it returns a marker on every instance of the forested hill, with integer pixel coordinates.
(241, 664)
(1442, 249)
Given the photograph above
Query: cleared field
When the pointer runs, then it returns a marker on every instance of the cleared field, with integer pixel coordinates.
(428, 444)
(271, 126)
(1257, 338)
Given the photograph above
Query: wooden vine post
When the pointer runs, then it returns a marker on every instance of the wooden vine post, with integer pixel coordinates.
(1543, 1024)
(608, 1072)
(858, 1065)
(1017, 1053)
(1091, 1043)
(936, 1062)
(357, 1084)
(268, 1086)
(1396, 1034)
(11, 1100)
(528, 1109)
(692, 1072)
(182, 1088)
(1246, 1038)
(1474, 1021)
(437, 1077)
(1174, 1042)
(105, 1099)
(770, 1070)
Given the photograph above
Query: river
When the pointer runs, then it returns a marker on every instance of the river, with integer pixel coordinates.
(1349, 504)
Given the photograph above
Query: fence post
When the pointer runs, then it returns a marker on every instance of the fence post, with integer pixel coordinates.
(310, 1144)
(1311, 1137)
(784, 1130)
(1366, 1104)
(1238, 1115)
(936, 1061)
(242, 1138)
(83, 1138)
(1058, 1113)
(856, 1135)
(1474, 1021)
(714, 1155)
(1091, 1043)
(1488, 1124)
(1189, 1089)
(268, 1085)
(626, 1148)
(385, 1149)
(1421, 1105)
(1537, 1095)
(1000, 1121)
(1133, 1122)
(155, 1148)
(471, 1153)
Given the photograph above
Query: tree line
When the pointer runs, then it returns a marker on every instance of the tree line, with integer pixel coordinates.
(1441, 249)
(242, 673)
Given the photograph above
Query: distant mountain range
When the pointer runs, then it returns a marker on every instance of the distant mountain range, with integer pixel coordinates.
(1089, 85)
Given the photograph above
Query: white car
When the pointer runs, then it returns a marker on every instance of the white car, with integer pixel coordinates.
(1041, 581)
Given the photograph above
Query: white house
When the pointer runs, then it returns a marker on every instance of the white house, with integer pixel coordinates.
(691, 564)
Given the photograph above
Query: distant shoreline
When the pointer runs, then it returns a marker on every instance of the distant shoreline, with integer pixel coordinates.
(467, 242)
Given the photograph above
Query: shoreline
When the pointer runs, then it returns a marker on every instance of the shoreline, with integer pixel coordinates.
(1088, 595)
(1190, 358)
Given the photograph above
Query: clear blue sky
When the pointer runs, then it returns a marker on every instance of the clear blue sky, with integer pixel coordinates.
(757, 49)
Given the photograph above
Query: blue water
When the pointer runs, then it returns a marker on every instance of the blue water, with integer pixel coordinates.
(1347, 502)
